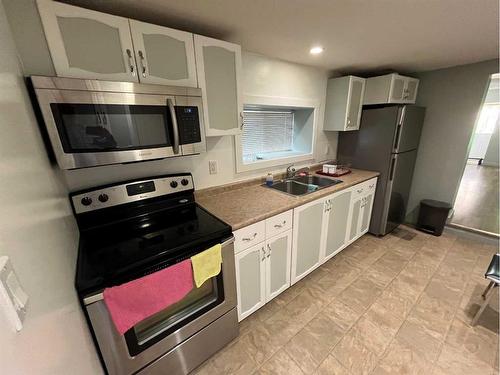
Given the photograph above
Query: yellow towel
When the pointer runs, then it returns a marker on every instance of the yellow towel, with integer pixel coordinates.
(206, 264)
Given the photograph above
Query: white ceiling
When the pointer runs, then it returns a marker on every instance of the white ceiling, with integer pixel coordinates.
(358, 35)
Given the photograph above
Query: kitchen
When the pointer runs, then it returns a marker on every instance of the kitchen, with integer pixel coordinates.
(311, 96)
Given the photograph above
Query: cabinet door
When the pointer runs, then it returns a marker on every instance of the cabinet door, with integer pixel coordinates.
(307, 238)
(164, 56)
(278, 259)
(396, 93)
(410, 92)
(366, 213)
(355, 217)
(250, 280)
(355, 103)
(218, 65)
(337, 223)
(88, 44)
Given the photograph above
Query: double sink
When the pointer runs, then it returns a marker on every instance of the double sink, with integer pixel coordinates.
(302, 185)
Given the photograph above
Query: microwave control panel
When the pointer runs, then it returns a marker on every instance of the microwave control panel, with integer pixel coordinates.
(188, 121)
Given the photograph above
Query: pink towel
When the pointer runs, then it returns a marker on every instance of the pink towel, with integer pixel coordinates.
(136, 300)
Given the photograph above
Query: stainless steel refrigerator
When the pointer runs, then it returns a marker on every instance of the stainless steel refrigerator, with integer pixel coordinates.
(387, 142)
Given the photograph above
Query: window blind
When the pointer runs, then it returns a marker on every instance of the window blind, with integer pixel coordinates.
(266, 131)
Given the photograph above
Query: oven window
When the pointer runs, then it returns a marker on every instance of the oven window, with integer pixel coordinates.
(163, 323)
(111, 127)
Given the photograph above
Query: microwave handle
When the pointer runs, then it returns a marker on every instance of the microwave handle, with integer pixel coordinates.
(175, 146)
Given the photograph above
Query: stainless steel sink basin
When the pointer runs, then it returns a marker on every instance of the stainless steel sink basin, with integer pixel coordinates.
(303, 184)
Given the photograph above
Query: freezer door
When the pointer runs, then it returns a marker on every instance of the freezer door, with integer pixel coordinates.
(398, 189)
(408, 129)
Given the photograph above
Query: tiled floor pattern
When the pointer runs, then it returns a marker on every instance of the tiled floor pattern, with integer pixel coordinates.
(382, 306)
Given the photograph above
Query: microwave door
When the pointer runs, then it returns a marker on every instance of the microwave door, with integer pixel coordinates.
(89, 129)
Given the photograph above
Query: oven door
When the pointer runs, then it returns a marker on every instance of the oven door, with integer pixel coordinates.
(89, 128)
(162, 332)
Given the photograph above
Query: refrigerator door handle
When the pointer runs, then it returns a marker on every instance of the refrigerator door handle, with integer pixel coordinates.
(397, 138)
(393, 167)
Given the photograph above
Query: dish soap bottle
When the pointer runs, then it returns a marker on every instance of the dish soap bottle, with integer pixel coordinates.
(269, 179)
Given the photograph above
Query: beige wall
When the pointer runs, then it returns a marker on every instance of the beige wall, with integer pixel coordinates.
(38, 233)
(453, 98)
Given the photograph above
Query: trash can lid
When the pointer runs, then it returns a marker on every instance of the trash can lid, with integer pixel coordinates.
(435, 204)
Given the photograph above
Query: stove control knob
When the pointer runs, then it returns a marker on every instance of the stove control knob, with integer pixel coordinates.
(173, 184)
(86, 201)
(184, 181)
(103, 198)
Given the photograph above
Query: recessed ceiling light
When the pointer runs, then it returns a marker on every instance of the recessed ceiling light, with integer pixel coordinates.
(316, 50)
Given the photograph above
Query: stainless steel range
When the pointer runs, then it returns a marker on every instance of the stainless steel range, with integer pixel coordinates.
(135, 228)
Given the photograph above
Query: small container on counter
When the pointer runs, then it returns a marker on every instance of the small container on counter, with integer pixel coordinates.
(269, 179)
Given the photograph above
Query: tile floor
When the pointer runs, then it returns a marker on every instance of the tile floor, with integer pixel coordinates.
(477, 200)
(397, 305)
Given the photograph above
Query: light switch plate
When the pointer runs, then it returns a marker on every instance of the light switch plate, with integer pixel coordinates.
(13, 299)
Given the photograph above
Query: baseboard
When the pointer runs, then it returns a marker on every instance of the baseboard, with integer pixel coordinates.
(473, 234)
(486, 164)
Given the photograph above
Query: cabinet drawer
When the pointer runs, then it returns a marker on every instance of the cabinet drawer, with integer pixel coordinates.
(370, 185)
(249, 236)
(364, 188)
(279, 223)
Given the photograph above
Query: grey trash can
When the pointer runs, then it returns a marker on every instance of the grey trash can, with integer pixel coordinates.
(432, 216)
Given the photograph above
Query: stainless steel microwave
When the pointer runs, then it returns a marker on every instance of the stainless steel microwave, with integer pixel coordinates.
(92, 123)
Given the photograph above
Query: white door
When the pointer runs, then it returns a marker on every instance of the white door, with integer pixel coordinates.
(250, 279)
(278, 259)
(88, 44)
(337, 223)
(218, 65)
(164, 56)
(307, 238)
(355, 103)
(410, 91)
(396, 92)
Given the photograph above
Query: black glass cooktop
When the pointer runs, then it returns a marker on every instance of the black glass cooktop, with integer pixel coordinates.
(125, 250)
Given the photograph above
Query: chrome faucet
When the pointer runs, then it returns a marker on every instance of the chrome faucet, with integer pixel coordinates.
(291, 171)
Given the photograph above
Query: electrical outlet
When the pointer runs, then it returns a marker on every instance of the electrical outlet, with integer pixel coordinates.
(212, 166)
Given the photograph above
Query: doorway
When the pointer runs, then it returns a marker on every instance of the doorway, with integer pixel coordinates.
(477, 202)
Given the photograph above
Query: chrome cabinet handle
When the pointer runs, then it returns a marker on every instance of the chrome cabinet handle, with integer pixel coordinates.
(241, 120)
(269, 252)
(130, 62)
(143, 63)
(280, 225)
(175, 127)
(371, 186)
(248, 238)
(359, 191)
(263, 254)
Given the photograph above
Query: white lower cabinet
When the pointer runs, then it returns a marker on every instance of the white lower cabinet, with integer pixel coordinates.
(300, 243)
(262, 272)
(308, 235)
(361, 209)
(278, 259)
(250, 279)
(337, 223)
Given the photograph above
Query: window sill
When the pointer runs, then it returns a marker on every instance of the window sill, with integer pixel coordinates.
(274, 159)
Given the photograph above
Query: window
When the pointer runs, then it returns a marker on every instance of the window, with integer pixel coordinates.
(266, 132)
(276, 132)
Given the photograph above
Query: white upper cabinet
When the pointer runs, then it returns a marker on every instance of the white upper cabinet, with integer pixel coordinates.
(164, 56)
(391, 88)
(88, 44)
(218, 65)
(344, 101)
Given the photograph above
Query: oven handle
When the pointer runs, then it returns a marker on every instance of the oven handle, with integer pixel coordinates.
(175, 127)
(99, 296)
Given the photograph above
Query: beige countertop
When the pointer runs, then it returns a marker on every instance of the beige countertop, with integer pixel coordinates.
(242, 204)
